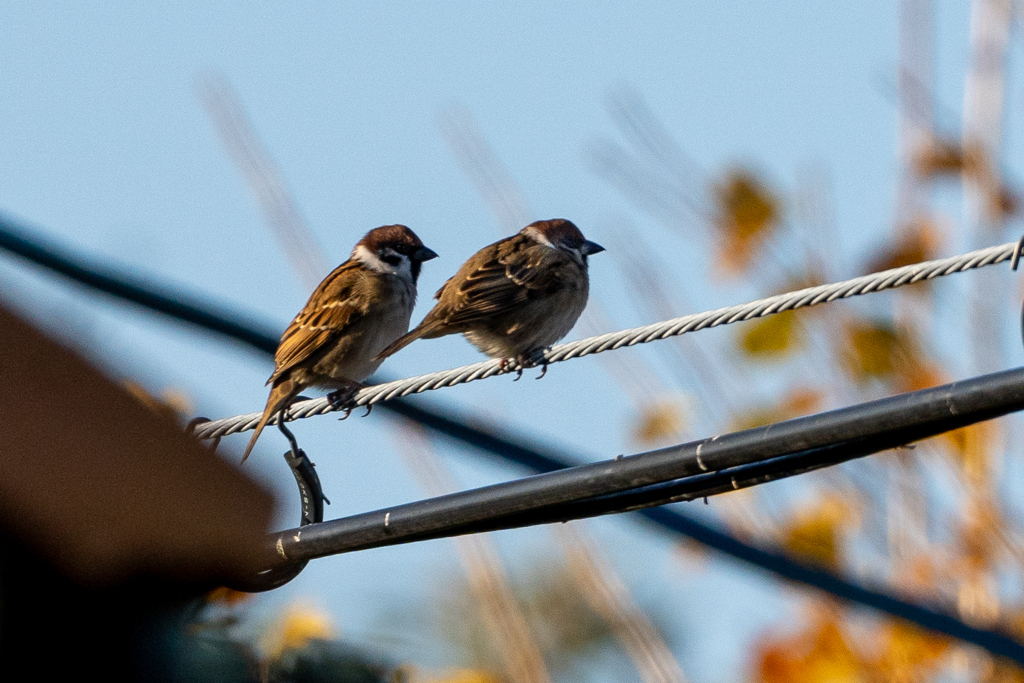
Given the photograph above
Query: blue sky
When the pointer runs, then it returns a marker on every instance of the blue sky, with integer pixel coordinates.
(106, 146)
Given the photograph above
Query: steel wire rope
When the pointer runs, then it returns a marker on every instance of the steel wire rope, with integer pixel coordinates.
(803, 298)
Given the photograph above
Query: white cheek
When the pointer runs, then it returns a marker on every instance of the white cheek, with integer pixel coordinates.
(539, 237)
(373, 262)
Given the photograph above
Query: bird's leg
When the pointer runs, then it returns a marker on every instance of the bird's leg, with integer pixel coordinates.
(341, 398)
(532, 359)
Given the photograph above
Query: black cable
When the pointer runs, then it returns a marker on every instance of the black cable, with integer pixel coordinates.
(470, 431)
(754, 455)
(615, 485)
(208, 316)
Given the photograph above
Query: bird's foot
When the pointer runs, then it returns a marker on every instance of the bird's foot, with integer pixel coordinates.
(341, 399)
(503, 366)
(532, 359)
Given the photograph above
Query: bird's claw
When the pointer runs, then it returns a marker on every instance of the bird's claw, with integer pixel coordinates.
(369, 409)
(529, 360)
(342, 400)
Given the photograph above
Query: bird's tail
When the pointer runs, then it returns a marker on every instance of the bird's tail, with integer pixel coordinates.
(281, 395)
(424, 329)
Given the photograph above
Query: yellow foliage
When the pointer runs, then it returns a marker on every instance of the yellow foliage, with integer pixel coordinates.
(465, 676)
(299, 624)
(799, 401)
(908, 653)
(972, 446)
(920, 374)
(875, 350)
(940, 158)
(1004, 672)
(814, 533)
(823, 651)
(771, 337)
(979, 531)
(227, 596)
(659, 421)
(819, 654)
(870, 351)
(746, 213)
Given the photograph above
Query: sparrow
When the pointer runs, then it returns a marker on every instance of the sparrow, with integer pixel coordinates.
(360, 308)
(515, 297)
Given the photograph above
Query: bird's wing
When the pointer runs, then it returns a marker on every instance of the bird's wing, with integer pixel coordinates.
(325, 317)
(515, 274)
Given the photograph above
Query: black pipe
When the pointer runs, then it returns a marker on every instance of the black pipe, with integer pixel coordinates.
(861, 429)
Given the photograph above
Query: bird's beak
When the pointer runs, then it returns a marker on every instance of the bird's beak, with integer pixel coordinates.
(589, 248)
(423, 254)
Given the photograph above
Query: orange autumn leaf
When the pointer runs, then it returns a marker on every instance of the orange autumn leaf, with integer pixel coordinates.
(941, 157)
(947, 158)
(465, 676)
(819, 653)
(979, 544)
(1005, 203)
(747, 211)
(972, 446)
(799, 401)
(659, 421)
(227, 596)
(920, 375)
(916, 242)
(908, 653)
(877, 351)
(1003, 671)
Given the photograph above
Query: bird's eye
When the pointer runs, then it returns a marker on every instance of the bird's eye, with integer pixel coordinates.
(390, 256)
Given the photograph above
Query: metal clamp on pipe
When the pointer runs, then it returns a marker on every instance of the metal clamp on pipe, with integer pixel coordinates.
(311, 499)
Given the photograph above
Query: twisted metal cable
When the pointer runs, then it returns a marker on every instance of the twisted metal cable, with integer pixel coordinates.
(811, 296)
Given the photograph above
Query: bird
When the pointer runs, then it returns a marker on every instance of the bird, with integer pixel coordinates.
(515, 297)
(361, 307)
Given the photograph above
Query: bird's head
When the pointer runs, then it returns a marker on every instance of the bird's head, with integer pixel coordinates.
(559, 233)
(393, 249)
